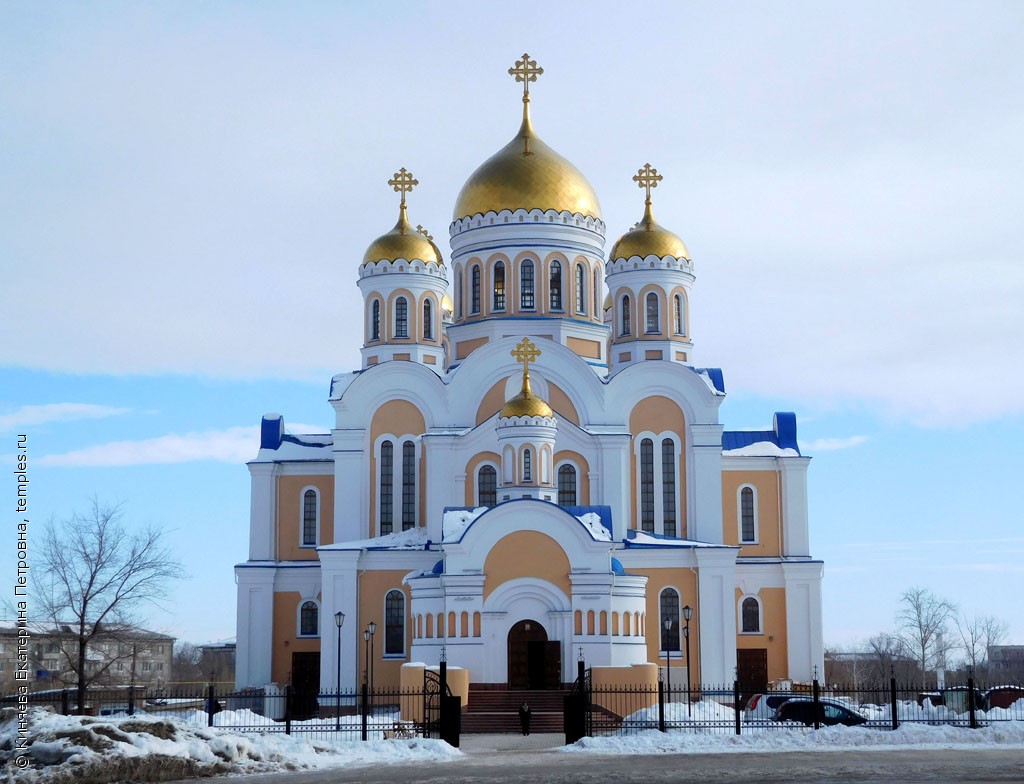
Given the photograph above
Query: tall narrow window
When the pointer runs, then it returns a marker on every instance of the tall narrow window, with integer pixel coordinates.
(458, 294)
(387, 474)
(487, 486)
(581, 289)
(669, 611)
(555, 285)
(751, 615)
(309, 619)
(653, 324)
(394, 623)
(677, 313)
(567, 485)
(527, 465)
(375, 320)
(309, 518)
(526, 301)
(408, 485)
(647, 485)
(597, 294)
(499, 285)
(627, 327)
(748, 530)
(401, 318)
(668, 486)
(428, 320)
(474, 289)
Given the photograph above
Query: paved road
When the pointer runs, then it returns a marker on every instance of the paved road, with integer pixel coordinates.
(518, 760)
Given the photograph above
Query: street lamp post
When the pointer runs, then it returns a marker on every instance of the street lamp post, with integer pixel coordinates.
(339, 619)
(366, 667)
(668, 657)
(373, 630)
(687, 614)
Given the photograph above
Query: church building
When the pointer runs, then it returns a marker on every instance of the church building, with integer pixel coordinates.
(528, 467)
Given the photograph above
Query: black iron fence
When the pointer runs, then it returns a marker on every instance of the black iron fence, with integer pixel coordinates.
(596, 709)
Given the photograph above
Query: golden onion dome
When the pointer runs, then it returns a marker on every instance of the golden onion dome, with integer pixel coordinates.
(403, 242)
(526, 404)
(526, 174)
(647, 238)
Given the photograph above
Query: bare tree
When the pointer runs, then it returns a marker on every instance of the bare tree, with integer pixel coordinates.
(977, 633)
(889, 657)
(922, 620)
(96, 574)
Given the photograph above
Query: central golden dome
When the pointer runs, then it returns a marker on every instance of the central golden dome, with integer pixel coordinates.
(526, 174)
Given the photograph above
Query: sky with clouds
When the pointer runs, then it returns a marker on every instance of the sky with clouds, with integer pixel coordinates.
(188, 189)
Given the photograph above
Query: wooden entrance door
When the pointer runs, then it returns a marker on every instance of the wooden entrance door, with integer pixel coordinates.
(305, 683)
(526, 655)
(751, 671)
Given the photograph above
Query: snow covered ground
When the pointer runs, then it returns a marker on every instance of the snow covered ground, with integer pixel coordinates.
(143, 748)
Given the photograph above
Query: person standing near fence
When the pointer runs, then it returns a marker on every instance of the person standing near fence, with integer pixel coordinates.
(524, 717)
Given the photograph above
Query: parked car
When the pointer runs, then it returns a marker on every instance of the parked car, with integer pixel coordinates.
(762, 707)
(828, 713)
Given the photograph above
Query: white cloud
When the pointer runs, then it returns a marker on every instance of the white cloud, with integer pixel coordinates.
(28, 416)
(831, 444)
(232, 445)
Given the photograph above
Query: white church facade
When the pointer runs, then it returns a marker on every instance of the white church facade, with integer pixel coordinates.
(528, 467)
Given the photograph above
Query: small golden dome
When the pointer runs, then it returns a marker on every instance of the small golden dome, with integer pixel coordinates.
(527, 174)
(403, 242)
(526, 404)
(648, 238)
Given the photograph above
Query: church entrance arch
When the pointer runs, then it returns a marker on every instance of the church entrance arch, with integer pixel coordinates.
(534, 662)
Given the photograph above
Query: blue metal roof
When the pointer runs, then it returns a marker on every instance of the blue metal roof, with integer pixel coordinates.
(782, 434)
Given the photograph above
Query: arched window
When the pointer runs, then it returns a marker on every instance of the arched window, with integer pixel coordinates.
(375, 320)
(567, 485)
(581, 289)
(627, 327)
(408, 485)
(750, 616)
(401, 318)
(474, 289)
(309, 620)
(309, 518)
(555, 287)
(526, 301)
(653, 322)
(394, 623)
(668, 486)
(677, 310)
(428, 320)
(748, 515)
(527, 465)
(387, 486)
(647, 485)
(458, 293)
(669, 611)
(499, 286)
(487, 486)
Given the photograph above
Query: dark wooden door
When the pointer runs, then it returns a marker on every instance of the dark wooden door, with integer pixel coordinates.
(552, 665)
(305, 683)
(522, 667)
(752, 671)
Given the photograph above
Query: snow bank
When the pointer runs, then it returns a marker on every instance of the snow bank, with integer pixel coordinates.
(144, 748)
(456, 521)
(592, 521)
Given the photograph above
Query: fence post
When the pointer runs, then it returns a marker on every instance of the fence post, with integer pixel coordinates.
(816, 693)
(892, 703)
(661, 705)
(366, 698)
(65, 706)
(736, 703)
(210, 702)
(972, 710)
(288, 709)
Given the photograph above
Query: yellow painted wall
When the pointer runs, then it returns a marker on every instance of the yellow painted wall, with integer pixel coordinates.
(526, 554)
(465, 347)
(658, 414)
(684, 581)
(289, 515)
(373, 587)
(286, 638)
(773, 631)
(491, 402)
(768, 522)
(561, 404)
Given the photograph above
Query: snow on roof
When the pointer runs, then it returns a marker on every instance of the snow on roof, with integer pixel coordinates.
(455, 522)
(413, 539)
(636, 538)
(780, 441)
(278, 446)
(592, 521)
(713, 377)
(761, 449)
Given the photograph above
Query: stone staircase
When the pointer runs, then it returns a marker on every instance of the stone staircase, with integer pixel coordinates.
(497, 710)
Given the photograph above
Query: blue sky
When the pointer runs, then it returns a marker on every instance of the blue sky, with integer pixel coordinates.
(188, 188)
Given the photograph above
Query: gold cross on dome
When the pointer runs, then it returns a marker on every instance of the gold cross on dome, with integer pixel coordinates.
(424, 232)
(403, 182)
(526, 352)
(647, 178)
(525, 71)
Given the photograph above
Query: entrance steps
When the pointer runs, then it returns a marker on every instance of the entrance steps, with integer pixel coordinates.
(497, 710)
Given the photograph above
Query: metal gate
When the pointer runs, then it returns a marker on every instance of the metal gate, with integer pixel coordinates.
(442, 712)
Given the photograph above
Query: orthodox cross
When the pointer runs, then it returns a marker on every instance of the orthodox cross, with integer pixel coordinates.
(525, 71)
(647, 178)
(424, 232)
(403, 182)
(526, 352)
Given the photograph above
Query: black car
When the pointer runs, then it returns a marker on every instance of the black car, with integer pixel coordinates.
(827, 712)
